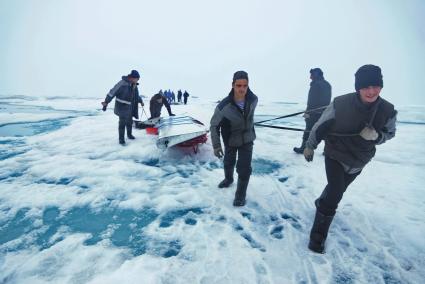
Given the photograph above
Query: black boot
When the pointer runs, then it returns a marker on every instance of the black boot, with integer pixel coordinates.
(121, 136)
(240, 192)
(319, 232)
(300, 150)
(228, 178)
(129, 130)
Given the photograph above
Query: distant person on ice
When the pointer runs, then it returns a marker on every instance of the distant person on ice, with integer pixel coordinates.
(179, 96)
(319, 95)
(155, 106)
(126, 96)
(234, 119)
(185, 96)
(352, 125)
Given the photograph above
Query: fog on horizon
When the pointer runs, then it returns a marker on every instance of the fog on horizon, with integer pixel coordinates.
(81, 48)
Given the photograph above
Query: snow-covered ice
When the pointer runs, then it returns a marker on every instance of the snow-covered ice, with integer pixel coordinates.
(76, 207)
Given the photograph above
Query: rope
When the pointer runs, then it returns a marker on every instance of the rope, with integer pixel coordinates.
(143, 110)
(293, 114)
(299, 129)
(260, 123)
(279, 127)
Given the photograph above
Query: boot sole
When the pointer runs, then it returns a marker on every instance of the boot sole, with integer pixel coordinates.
(239, 204)
(225, 186)
(316, 250)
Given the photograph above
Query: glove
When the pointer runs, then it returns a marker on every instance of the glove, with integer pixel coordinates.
(369, 133)
(104, 104)
(306, 115)
(172, 114)
(308, 154)
(218, 152)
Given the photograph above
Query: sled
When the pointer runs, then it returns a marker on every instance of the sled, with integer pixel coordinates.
(182, 131)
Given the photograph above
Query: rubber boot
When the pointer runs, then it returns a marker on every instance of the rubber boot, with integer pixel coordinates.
(130, 136)
(129, 130)
(319, 232)
(228, 178)
(240, 192)
(300, 150)
(121, 135)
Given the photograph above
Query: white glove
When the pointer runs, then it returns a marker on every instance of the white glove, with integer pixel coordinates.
(369, 133)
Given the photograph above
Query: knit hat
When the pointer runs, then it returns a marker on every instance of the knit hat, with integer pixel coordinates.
(316, 73)
(368, 75)
(134, 74)
(240, 75)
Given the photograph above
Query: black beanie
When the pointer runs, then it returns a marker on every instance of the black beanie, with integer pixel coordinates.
(368, 75)
(134, 74)
(316, 73)
(240, 75)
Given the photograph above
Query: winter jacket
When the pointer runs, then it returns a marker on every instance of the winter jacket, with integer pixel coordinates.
(236, 126)
(319, 95)
(126, 98)
(341, 124)
(155, 107)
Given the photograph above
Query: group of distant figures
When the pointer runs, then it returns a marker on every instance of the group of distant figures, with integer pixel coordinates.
(170, 96)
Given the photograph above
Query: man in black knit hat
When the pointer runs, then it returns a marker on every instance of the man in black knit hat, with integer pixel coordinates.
(127, 97)
(319, 95)
(352, 125)
(234, 118)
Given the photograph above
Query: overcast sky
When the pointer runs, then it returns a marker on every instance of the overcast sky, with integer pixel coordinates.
(82, 48)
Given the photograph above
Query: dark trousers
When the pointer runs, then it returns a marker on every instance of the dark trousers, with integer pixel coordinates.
(338, 181)
(124, 122)
(185, 100)
(243, 164)
(309, 123)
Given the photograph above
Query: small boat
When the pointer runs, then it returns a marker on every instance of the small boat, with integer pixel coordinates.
(182, 131)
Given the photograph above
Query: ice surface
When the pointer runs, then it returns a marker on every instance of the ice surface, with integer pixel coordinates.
(76, 207)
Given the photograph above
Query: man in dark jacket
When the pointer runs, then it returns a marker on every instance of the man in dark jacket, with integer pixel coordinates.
(126, 96)
(351, 126)
(179, 96)
(185, 96)
(319, 95)
(156, 103)
(234, 118)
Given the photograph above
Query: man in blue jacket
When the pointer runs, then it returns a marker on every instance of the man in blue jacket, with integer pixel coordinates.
(126, 96)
